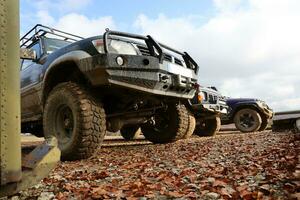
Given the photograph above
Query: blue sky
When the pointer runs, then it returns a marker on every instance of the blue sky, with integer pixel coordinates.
(123, 12)
(247, 48)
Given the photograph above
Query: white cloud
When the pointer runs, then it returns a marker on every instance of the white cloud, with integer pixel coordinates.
(227, 5)
(286, 104)
(76, 4)
(83, 26)
(247, 51)
(44, 17)
(62, 6)
(249, 48)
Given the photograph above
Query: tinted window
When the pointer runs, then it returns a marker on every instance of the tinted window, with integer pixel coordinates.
(26, 63)
(52, 44)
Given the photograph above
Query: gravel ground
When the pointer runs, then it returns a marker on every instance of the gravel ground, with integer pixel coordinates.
(235, 166)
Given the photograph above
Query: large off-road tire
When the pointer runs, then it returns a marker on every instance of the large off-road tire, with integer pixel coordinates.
(247, 120)
(209, 127)
(191, 126)
(170, 125)
(130, 132)
(264, 123)
(76, 119)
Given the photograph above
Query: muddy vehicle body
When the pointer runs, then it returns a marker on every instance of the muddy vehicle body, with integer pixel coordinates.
(248, 114)
(78, 88)
(213, 100)
(207, 107)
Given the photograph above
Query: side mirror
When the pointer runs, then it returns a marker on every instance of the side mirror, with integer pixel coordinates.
(28, 54)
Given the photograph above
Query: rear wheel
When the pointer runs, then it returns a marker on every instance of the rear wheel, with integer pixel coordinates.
(247, 120)
(168, 125)
(75, 119)
(209, 127)
(130, 132)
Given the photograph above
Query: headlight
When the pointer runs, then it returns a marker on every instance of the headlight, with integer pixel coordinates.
(115, 46)
(98, 44)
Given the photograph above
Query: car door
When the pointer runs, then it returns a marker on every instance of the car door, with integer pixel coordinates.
(31, 71)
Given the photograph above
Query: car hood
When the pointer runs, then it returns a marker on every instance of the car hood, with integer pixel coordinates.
(235, 100)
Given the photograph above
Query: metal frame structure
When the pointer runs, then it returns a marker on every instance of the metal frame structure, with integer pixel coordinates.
(40, 30)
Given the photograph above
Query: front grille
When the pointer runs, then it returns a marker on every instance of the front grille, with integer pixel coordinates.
(212, 99)
(178, 62)
(144, 50)
(167, 57)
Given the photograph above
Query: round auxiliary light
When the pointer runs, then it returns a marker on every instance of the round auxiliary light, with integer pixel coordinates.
(146, 61)
(120, 60)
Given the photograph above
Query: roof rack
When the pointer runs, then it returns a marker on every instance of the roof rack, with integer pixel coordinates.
(40, 30)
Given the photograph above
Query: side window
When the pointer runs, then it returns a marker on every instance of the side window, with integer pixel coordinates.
(26, 63)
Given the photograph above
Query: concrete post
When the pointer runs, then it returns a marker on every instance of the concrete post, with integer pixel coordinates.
(10, 145)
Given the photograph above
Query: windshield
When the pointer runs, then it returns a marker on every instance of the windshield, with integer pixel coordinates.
(52, 44)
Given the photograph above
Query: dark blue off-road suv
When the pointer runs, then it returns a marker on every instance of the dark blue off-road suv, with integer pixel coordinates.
(248, 114)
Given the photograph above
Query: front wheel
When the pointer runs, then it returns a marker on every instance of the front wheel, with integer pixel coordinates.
(264, 123)
(75, 119)
(208, 127)
(191, 126)
(167, 125)
(247, 120)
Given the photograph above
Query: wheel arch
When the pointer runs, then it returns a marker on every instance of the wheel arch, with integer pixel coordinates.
(244, 106)
(62, 69)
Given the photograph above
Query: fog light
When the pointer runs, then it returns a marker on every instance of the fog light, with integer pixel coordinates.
(120, 60)
(146, 61)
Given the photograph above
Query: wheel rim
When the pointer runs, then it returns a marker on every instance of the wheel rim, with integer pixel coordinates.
(247, 120)
(161, 121)
(64, 125)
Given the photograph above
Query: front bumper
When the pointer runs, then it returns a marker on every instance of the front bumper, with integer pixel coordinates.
(141, 73)
(266, 111)
(216, 108)
(211, 108)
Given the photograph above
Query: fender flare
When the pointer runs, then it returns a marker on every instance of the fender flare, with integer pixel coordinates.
(241, 105)
(73, 56)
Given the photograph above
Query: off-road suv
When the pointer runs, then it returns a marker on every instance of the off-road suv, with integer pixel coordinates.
(207, 106)
(76, 88)
(248, 114)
